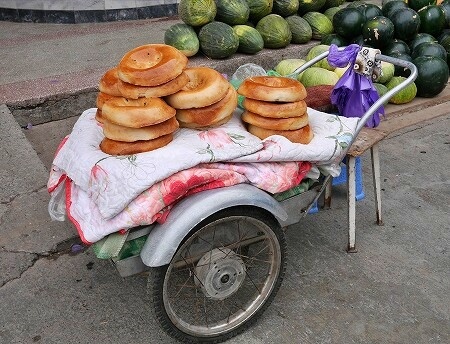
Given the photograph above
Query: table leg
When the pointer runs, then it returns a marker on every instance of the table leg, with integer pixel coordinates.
(327, 195)
(351, 199)
(374, 153)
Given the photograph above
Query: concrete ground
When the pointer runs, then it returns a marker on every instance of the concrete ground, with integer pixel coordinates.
(394, 290)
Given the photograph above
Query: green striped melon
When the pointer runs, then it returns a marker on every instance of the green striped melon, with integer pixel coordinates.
(197, 12)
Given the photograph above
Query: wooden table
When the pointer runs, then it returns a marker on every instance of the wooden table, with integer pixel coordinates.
(397, 118)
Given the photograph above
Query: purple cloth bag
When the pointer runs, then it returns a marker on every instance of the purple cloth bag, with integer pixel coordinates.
(354, 93)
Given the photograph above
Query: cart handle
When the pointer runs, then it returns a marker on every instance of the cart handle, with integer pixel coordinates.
(381, 100)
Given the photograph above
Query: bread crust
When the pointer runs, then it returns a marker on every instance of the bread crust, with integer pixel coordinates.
(151, 65)
(272, 89)
(274, 109)
(208, 115)
(120, 133)
(109, 83)
(102, 98)
(206, 86)
(137, 113)
(291, 123)
(113, 147)
(303, 135)
(170, 87)
(206, 127)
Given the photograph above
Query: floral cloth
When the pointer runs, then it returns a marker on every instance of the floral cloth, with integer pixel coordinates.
(105, 194)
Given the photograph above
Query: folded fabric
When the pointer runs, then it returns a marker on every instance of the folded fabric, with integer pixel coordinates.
(106, 194)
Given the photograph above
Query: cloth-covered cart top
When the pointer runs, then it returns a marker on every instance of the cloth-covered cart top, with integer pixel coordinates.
(105, 194)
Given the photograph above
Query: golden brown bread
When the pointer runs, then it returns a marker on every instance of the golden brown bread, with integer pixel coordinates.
(137, 113)
(206, 86)
(109, 83)
(170, 87)
(151, 65)
(274, 109)
(211, 114)
(206, 127)
(303, 135)
(272, 89)
(102, 98)
(113, 147)
(120, 133)
(291, 123)
(99, 116)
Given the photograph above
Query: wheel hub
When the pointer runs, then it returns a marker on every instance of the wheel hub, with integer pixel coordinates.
(219, 273)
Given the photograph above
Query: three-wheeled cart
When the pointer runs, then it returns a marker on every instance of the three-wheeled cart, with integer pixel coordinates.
(219, 258)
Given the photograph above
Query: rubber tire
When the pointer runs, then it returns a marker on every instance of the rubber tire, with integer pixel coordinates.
(157, 276)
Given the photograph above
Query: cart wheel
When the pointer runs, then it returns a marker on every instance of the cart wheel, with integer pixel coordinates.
(222, 277)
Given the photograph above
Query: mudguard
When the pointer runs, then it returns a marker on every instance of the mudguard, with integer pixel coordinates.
(164, 239)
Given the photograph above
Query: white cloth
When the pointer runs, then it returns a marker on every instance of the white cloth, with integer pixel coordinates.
(107, 192)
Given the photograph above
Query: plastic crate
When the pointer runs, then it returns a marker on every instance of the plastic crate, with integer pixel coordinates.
(342, 178)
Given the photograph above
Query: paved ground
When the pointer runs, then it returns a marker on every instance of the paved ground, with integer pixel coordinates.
(394, 290)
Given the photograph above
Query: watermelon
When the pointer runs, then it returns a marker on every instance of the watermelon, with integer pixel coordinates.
(419, 38)
(348, 22)
(285, 8)
(418, 4)
(389, 8)
(300, 29)
(432, 75)
(334, 38)
(429, 49)
(275, 31)
(432, 20)
(183, 37)
(232, 12)
(396, 45)
(259, 9)
(250, 40)
(401, 71)
(403, 96)
(378, 32)
(406, 23)
(218, 40)
(369, 11)
(320, 24)
(445, 6)
(197, 12)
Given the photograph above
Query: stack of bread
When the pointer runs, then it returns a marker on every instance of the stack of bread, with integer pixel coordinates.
(207, 100)
(130, 103)
(276, 106)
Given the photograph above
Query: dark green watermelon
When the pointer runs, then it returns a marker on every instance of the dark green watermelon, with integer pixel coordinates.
(406, 23)
(420, 38)
(389, 8)
(378, 32)
(348, 22)
(445, 6)
(401, 71)
(418, 4)
(334, 38)
(370, 10)
(396, 45)
(429, 49)
(432, 75)
(432, 20)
